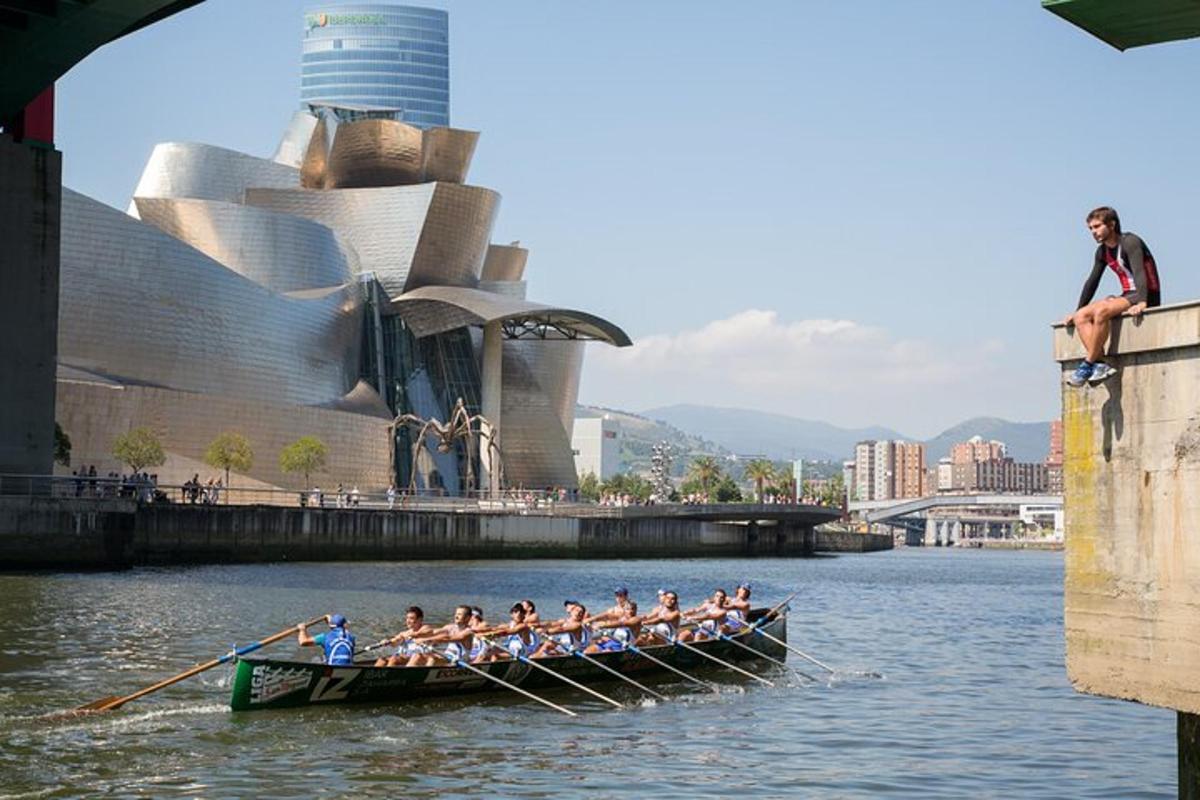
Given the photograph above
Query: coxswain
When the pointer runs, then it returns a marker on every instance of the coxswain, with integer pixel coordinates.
(662, 623)
(337, 642)
(709, 616)
(458, 636)
(568, 634)
(408, 649)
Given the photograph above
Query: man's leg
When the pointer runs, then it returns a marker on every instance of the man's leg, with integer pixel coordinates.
(1104, 311)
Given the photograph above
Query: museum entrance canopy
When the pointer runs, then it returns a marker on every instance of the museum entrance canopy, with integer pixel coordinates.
(1131, 23)
(437, 309)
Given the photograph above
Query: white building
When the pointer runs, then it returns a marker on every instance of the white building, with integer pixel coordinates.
(945, 474)
(595, 443)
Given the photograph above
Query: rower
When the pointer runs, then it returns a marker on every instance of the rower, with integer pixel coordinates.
(710, 615)
(662, 623)
(739, 609)
(520, 639)
(414, 625)
(618, 611)
(531, 614)
(338, 643)
(623, 631)
(480, 650)
(457, 636)
(568, 634)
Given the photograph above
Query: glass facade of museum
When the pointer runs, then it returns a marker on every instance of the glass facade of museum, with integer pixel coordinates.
(378, 57)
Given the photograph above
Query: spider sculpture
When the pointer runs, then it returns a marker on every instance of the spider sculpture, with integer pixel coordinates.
(462, 427)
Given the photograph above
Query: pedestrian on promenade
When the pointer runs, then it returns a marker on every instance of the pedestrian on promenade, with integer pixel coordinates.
(1130, 260)
(391, 496)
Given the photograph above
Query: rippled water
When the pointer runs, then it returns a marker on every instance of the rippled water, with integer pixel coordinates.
(973, 701)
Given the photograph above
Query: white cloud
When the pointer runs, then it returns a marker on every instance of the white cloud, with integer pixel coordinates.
(839, 371)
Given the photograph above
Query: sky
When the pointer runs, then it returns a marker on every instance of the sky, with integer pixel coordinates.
(863, 213)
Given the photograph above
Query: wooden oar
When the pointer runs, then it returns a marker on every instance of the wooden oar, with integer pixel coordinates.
(484, 673)
(109, 703)
(579, 653)
(710, 657)
(795, 650)
(376, 646)
(727, 638)
(526, 660)
(706, 684)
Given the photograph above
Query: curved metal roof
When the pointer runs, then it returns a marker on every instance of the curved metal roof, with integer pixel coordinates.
(437, 309)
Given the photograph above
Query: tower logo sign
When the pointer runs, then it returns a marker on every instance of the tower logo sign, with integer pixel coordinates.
(324, 20)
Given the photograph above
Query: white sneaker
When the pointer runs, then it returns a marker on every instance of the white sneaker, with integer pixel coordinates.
(1101, 372)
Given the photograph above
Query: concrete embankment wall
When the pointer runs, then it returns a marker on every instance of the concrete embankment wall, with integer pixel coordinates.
(124, 535)
(67, 533)
(1132, 500)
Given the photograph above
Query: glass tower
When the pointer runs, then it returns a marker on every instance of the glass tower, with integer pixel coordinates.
(384, 60)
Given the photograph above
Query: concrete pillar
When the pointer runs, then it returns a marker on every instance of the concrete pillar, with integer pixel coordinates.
(490, 401)
(931, 527)
(1187, 736)
(956, 532)
(30, 212)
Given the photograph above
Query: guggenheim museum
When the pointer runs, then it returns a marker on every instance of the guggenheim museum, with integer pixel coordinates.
(326, 291)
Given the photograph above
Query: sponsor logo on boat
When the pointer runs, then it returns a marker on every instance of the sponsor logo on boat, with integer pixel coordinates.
(334, 685)
(270, 683)
(453, 675)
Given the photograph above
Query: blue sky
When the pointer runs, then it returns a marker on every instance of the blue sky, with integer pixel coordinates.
(865, 213)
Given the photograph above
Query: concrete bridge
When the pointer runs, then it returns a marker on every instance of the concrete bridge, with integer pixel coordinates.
(951, 519)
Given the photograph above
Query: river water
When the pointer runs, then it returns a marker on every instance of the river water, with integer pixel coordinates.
(972, 700)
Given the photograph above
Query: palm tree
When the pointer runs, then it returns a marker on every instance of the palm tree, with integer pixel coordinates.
(705, 470)
(759, 470)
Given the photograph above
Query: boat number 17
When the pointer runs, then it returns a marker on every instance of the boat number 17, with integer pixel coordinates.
(333, 687)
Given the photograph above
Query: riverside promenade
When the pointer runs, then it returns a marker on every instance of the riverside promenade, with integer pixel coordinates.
(106, 533)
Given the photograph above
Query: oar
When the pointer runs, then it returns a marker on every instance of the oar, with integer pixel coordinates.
(710, 657)
(706, 684)
(484, 673)
(727, 638)
(376, 646)
(526, 660)
(795, 650)
(109, 703)
(579, 653)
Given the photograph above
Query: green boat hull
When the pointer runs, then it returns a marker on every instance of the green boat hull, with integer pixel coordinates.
(261, 683)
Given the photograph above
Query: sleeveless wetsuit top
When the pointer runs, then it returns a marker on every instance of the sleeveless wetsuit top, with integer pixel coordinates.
(339, 648)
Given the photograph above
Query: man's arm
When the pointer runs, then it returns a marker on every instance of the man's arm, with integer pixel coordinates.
(1093, 281)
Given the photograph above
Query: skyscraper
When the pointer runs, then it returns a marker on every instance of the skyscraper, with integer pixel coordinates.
(385, 60)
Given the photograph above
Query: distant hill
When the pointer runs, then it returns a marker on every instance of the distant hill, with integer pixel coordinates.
(1027, 441)
(781, 437)
(775, 436)
(639, 434)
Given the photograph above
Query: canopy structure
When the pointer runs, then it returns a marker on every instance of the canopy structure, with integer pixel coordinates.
(1131, 23)
(436, 309)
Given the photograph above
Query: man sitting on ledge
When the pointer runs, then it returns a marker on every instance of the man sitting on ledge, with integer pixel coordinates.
(1130, 259)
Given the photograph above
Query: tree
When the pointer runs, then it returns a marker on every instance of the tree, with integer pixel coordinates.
(637, 487)
(706, 471)
(760, 471)
(306, 455)
(589, 487)
(62, 446)
(229, 451)
(728, 491)
(140, 448)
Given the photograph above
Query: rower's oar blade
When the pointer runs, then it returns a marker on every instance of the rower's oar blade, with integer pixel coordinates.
(109, 703)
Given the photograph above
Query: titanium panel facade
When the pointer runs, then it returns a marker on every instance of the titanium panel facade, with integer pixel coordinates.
(278, 251)
(138, 305)
(504, 263)
(408, 236)
(371, 55)
(294, 143)
(204, 172)
(535, 447)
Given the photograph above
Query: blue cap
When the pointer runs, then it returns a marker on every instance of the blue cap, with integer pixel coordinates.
(337, 621)
(621, 590)
(745, 586)
(661, 592)
(571, 603)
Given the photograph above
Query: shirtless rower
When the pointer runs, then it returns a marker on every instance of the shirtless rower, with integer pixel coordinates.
(662, 624)
(569, 633)
(414, 625)
(458, 637)
(531, 614)
(710, 616)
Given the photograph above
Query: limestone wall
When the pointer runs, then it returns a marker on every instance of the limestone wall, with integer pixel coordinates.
(1132, 500)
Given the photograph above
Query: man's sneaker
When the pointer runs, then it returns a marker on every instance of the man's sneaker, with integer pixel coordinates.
(1081, 374)
(1100, 372)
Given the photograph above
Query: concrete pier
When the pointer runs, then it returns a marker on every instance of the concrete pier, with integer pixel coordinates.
(108, 534)
(1132, 501)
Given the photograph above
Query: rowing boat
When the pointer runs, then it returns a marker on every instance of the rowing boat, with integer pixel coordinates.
(261, 683)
